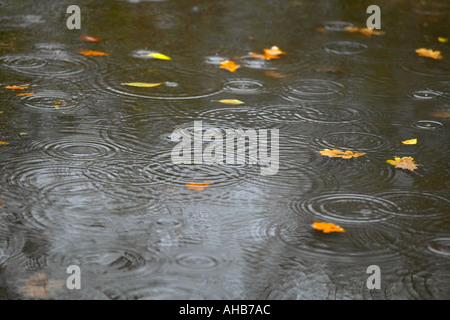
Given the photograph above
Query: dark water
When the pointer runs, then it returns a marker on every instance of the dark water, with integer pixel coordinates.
(92, 183)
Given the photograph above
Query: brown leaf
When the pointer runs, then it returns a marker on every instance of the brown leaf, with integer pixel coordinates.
(404, 163)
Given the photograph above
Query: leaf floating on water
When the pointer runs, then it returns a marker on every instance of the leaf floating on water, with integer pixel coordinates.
(89, 38)
(340, 154)
(159, 56)
(272, 53)
(142, 84)
(230, 101)
(327, 227)
(3, 143)
(229, 65)
(445, 114)
(24, 94)
(442, 39)
(422, 52)
(16, 87)
(1, 204)
(410, 141)
(40, 286)
(404, 163)
(365, 31)
(197, 186)
(92, 53)
(276, 74)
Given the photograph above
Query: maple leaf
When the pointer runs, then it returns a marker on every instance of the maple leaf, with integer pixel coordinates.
(197, 186)
(404, 163)
(92, 53)
(16, 87)
(429, 53)
(364, 31)
(327, 227)
(89, 38)
(229, 65)
(340, 154)
(410, 141)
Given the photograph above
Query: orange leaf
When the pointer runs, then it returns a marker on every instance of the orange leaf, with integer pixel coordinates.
(16, 87)
(404, 163)
(3, 143)
(257, 55)
(327, 227)
(364, 31)
(269, 54)
(340, 154)
(89, 38)
(197, 186)
(230, 65)
(92, 53)
(429, 53)
(24, 94)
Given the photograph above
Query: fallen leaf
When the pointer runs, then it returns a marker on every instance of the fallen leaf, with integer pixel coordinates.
(327, 227)
(229, 65)
(59, 103)
(276, 74)
(142, 84)
(24, 94)
(429, 53)
(92, 53)
(321, 30)
(269, 54)
(404, 163)
(442, 40)
(1, 112)
(3, 143)
(230, 101)
(16, 87)
(1, 204)
(410, 141)
(340, 154)
(23, 134)
(56, 106)
(39, 286)
(89, 38)
(159, 56)
(442, 114)
(364, 31)
(197, 186)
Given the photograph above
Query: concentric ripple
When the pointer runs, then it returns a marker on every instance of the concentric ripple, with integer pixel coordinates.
(346, 208)
(245, 86)
(410, 204)
(336, 25)
(76, 147)
(355, 141)
(176, 82)
(59, 64)
(427, 124)
(313, 90)
(345, 47)
(439, 246)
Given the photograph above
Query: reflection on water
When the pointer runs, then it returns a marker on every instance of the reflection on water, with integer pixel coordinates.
(87, 178)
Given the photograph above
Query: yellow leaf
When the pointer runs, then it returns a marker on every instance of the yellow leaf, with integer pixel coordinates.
(3, 143)
(429, 53)
(16, 87)
(159, 56)
(327, 227)
(404, 163)
(230, 101)
(411, 141)
(197, 186)
(229, 65)
(442, 40)
(365, 31)
(340, 154)
(142, 84)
